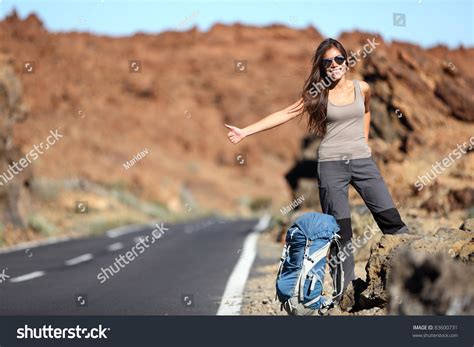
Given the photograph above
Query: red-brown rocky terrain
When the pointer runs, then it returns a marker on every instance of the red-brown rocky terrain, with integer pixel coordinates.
(187, 87)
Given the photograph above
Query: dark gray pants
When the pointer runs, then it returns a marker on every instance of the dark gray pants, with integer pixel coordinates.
(363, 174)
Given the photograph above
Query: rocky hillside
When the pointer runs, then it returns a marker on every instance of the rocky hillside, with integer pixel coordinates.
(171, 94)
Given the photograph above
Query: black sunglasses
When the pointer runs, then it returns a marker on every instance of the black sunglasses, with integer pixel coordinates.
(339, 59)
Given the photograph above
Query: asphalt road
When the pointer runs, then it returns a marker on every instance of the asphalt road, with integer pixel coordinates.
(183, 272)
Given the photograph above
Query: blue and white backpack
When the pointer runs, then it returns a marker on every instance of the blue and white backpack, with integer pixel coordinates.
(300, 280)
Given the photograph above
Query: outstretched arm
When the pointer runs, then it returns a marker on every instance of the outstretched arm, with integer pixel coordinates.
(236, 134)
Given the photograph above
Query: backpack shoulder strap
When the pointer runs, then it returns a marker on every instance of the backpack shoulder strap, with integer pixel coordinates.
(309, 261)
(284, 255)
(337, 270)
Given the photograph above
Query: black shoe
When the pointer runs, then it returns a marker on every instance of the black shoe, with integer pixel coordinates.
(402, 231)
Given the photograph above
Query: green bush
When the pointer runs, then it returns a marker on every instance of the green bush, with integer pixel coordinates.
(41, 225)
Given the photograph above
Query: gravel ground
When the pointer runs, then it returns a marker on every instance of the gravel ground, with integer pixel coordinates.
(259, 291)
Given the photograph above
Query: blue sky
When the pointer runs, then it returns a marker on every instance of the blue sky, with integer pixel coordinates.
(427, 22)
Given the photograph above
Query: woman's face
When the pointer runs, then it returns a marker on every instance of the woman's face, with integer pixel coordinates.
(334, 63)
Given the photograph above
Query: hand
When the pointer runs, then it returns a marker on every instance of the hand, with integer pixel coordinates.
(235, 134)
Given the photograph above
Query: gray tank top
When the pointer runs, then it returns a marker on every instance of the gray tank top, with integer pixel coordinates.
(344, 139)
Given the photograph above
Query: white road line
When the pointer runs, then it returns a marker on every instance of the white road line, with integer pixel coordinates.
(232, 298)
(114, 233)
(123, 230)
(111, 233)
(115, 246)
(27, 277)
(191, 228)
(79, 259)
(33, 244)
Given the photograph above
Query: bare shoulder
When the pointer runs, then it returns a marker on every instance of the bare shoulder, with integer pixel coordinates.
(364, 86)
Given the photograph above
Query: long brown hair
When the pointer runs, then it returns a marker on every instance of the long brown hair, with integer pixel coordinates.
(315, 100)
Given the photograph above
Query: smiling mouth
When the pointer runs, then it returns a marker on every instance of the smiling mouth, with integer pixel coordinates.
(336, 69)
(336, 73)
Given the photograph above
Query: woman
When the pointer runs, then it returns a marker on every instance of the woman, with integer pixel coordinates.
(338, 111)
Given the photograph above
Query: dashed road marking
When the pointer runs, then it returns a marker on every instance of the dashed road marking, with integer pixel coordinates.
(27, 277)
(80, 259)
(117, 232)
(115, 246)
